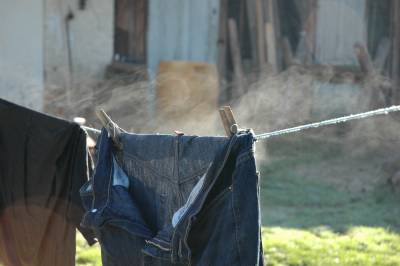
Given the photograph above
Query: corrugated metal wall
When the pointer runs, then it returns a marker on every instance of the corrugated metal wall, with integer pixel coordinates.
(182, 30)
(340, 24)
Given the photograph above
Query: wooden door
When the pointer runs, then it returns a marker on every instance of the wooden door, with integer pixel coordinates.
(130, 31)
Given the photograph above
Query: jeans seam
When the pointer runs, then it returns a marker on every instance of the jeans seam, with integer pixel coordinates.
(144, 164)
(94, 178)
(198, 173)
(222, 195)
(188, 214)
(244, 157)
(108, 188)
(235, 219)
(149, 242)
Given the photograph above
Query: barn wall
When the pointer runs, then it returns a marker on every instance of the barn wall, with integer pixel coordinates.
(182, 30)
(340, 24)
(21, 52)
(90, 36)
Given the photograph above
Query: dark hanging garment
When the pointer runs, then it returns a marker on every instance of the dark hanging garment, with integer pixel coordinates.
(43, 163)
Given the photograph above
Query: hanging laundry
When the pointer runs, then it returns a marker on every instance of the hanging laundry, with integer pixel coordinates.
(167, 200)
(43, 164)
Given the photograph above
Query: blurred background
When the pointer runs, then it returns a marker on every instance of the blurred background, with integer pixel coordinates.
(330, 196)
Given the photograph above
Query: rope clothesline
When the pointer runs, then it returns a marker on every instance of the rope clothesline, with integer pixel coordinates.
(343, 119)
(382, 111)
(94, 130)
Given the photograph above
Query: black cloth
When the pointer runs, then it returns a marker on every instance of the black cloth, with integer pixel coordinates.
(43, 163)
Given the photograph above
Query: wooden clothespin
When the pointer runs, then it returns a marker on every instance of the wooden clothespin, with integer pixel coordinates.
(228, 120)
(112, 128)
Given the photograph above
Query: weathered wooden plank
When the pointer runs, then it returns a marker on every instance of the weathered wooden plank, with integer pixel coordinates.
(287, 52)
(222, 39)
(251, 20)
(364, 59)
(261, 48)
(271, 46)
(270, 36)
(311, 26)
(382, 54)
(236, 56)
(130, 30)
(396, 49)
(138, 31)
(277, 26)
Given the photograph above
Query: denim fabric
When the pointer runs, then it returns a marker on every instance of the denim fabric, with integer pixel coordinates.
(185, 208)
(221, 226)
(163, 170)
(135, 201)
(146, 209)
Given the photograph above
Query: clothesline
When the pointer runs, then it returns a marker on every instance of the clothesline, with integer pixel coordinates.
(382, 111)
(343, 119)
(94, 130)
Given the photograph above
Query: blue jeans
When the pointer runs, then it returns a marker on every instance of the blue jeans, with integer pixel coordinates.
(134, 194)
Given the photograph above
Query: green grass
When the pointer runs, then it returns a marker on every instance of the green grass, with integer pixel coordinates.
(362, 246)
(309, 221)
(295, 202)
(321, 225)
(86, 255)
(311, 216)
